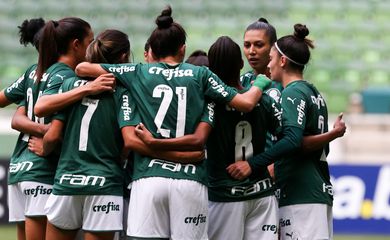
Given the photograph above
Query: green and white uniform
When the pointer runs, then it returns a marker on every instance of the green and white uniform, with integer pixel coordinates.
(15, 92)
(90, 156)
(25, 165)
(303, 178)
(28, 166)
(171, 102)
(237, 136)
(16, 197)
(274, 90)
(89, 176)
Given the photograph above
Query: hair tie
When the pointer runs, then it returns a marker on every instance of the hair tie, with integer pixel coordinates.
(280, 51)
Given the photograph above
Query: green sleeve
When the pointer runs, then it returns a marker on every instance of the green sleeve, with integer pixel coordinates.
(16, 91)
(55, 81)
(208, 113)
(274, 114)
(216, 89)
(291, 141)
(294, 107)
(124, 73)
(128, 114)
(67, 85)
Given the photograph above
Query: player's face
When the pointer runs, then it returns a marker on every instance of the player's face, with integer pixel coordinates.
(274, 66)
(256, 50)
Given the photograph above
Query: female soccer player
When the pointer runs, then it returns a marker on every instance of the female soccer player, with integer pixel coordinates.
(198, 58)
(259, 37)
(306, 193)
(18, 203)
(239, 209)
(32, 175)
(89, 196)
(170, 95)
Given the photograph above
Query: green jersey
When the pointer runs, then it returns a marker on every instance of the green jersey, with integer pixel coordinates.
(170, 100)
(237, 136)
(274, 91)
(15, 93)
(304, 177)
(26, 165)
(90, 156)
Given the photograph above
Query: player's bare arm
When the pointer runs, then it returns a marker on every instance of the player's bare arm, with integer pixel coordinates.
(189, 142)
(22, 123)
(133, 142)
(316, 142)
(49, 104)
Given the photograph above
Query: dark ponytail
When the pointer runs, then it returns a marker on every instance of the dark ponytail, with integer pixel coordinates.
(55, 40)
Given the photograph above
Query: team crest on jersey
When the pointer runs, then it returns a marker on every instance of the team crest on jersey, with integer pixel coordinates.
(274, 93)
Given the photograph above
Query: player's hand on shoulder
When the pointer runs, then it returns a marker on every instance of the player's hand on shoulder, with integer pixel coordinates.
(105, 82)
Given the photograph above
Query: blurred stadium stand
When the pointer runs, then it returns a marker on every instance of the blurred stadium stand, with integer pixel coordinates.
(349, 64)
(352, 45)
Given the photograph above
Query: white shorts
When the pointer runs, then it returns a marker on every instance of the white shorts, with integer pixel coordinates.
(255, 219)
(168, 208)
(306, 222)
(91, 213)
(27, 199)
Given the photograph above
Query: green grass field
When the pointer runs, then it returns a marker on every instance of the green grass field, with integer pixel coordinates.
(8, 232)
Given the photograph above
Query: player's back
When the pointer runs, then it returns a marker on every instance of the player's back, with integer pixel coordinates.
(92, 144)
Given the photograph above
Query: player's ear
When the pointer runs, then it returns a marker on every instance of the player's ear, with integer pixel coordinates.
(283, 61)
(182, 50)
(125, 57)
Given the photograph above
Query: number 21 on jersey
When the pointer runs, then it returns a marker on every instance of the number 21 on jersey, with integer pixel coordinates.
(181, 93)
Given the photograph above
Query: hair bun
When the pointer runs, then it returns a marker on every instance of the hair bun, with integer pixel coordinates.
(300, 31)
(29, 29)
(262, 20)
(165, 20)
